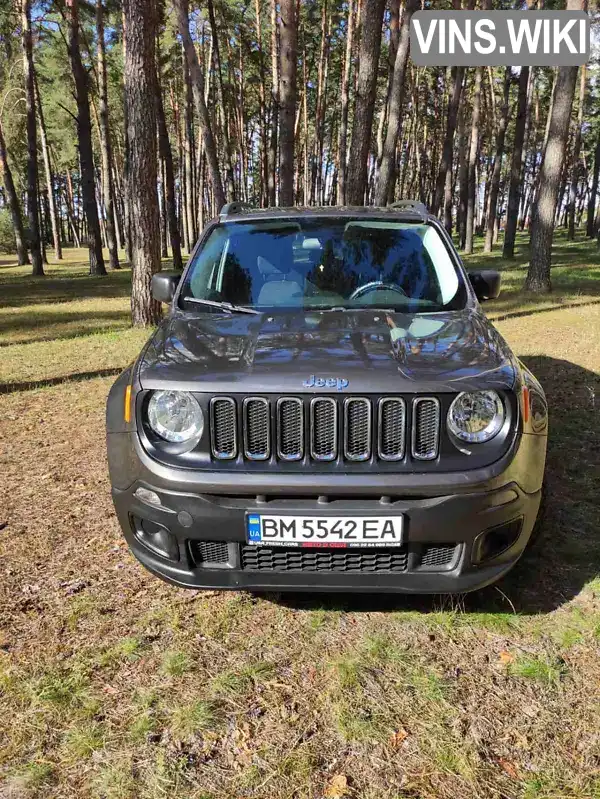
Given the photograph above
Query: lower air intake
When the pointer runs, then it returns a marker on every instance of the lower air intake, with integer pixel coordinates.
(296, 559)
(438, 556)
(210, 551)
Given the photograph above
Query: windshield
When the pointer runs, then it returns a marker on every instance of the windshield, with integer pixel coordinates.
(324, 263)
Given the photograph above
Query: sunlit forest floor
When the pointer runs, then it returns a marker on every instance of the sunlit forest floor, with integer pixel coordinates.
(115, 685)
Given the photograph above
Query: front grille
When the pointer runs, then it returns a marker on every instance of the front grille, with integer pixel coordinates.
(290, 429)
(426, 428)
(357, 429)
(325, 429)
(257, 429)
(392, 428)
(438, 555)
(223, 428)
(300, 559)
(210, 551)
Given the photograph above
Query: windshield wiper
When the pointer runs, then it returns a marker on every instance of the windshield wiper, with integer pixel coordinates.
(223, 306)
(327, 309)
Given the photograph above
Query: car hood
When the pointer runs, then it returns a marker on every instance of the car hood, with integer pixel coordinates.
(356, 351)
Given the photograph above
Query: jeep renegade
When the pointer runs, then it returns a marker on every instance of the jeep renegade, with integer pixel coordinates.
(326, 408)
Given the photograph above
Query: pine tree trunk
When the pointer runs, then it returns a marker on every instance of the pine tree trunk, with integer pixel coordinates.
(448, 202)
(13, 203)
(591, 209)
(306, 191)
(492, 206)
(108, 191)
(343, 134)
(289, 59)
(181, 7)
(164, 216)
(463, 178)
(226, 139)
(140, 80)
(52, 210)
(394, 22)
(43, 217)
(472, 162)
(317, 156)
(516, 168)
(262, 96)
(448, 148)
(188, 150)
(370, 46)
(577, 166)
(544, 210)
(167, 158)
(272, 171)
(32, 166)
(84, 137)
(387, 170)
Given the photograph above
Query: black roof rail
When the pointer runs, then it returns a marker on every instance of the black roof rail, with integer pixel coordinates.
(236, 207)
(411, 205)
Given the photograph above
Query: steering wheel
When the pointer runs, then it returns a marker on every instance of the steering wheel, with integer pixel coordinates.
(376, 285)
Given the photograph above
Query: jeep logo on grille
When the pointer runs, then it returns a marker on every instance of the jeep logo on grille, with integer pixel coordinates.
(340, 383)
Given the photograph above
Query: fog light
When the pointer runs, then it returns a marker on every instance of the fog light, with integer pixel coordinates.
(157, 538)
(496, 540)
(147, 496)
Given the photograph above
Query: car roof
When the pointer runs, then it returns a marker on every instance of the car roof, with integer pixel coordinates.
(239, 212)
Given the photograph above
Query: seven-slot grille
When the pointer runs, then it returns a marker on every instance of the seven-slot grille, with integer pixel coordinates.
(324, 428)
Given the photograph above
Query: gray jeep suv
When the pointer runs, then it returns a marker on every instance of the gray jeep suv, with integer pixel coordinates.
(325, 407)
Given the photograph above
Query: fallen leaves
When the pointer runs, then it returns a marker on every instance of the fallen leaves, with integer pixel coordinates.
(397, 738)
(506, 658)
(508, 768)
(337, 787)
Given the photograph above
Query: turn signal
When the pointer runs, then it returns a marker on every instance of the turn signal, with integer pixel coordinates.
(127, 411)
(526, 404)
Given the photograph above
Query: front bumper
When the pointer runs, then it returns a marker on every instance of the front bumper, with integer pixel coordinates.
(441, 509)
(452, 522)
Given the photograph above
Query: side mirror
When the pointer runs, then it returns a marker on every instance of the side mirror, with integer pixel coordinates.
(486, 284)
(164, 286)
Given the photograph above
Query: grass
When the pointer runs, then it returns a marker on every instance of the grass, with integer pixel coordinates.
(127, 687)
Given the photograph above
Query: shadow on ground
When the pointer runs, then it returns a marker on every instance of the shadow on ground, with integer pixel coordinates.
(74, 324)
(567, 554)
(77, 377)
(18, 290)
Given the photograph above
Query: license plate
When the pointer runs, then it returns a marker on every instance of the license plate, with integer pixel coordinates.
(325, 531)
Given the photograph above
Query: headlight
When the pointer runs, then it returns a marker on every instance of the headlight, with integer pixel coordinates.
(476, 416)
(175, 416)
